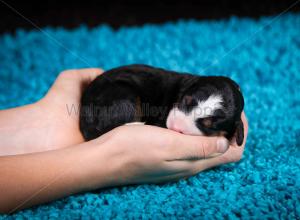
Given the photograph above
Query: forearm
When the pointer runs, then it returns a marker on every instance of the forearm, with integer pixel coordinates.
(126, 155)
(34, 128)
(17, 127)
(36, 178)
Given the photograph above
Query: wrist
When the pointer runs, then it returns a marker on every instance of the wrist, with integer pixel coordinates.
(17, 126)
(62, 121)
(101, 164)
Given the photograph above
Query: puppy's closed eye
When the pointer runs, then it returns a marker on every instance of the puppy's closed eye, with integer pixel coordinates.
(207, 122)
(189, 101)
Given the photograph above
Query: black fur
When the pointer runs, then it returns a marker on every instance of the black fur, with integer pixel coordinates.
(144, 93)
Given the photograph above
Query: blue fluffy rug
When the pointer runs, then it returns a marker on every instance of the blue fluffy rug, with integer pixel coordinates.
(263, 56)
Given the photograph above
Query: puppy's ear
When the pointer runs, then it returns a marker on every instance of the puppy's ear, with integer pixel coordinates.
(239, 133)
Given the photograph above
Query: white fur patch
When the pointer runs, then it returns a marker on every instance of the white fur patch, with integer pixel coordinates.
(181, 122)
(206, 108)
(185, 122)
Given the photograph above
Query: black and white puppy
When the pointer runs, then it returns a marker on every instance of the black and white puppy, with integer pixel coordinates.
(194, 105)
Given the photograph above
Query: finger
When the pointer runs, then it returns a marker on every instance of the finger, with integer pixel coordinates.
(89, 74)
(234, 154)
(201, 165)
(166, 178)
(197, 147)
(246, 127)
(192, 167)
(170, 178)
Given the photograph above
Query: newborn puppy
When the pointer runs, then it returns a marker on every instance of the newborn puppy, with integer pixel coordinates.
(194, 105)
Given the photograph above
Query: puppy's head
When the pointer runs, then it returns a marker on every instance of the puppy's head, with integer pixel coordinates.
(210, 106)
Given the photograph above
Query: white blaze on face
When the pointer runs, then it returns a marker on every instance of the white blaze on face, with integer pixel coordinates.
(185, 122)
(206, 108)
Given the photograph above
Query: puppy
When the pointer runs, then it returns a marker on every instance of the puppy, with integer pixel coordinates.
(189, 104)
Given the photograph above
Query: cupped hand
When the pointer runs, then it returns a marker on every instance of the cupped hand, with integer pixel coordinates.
(147, 154)
(136, 153)
(129, 154)
(234, 153)
(61, 106)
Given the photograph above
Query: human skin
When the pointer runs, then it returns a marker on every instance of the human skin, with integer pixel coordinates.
(44, 156)
(47, 124)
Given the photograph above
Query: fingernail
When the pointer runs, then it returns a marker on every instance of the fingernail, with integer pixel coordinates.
(222, 145)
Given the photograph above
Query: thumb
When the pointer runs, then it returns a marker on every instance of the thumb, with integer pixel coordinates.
(200, 147)
(89, 74)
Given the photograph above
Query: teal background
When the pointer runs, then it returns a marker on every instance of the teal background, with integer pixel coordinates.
(262, 55)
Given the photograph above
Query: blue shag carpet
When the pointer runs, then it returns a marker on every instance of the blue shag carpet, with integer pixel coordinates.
(263, 56)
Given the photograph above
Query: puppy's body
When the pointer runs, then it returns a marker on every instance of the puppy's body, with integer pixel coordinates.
(182, 102)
